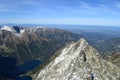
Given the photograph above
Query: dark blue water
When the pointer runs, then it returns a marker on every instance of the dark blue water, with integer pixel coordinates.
(9, 69)
(24, 78)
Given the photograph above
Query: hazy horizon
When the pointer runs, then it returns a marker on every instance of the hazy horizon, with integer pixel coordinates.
(46, 24)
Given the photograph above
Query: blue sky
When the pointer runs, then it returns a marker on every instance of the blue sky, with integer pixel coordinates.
(83, 12)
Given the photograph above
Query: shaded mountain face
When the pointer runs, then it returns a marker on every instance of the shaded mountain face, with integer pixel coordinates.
(10, 71)
(28, 43)
(78, 61)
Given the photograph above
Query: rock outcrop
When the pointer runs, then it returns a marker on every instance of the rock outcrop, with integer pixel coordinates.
(78, 61)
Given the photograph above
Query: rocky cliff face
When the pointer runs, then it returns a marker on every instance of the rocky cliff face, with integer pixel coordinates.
(78, 61)
(28, 43)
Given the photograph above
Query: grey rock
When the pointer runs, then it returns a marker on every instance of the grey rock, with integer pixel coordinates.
(78, 61)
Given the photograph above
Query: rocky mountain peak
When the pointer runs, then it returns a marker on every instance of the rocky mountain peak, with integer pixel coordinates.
(29, 43)
(17, 31)
(7, 28)
(78, 61)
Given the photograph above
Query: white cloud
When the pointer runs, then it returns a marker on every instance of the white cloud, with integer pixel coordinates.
(117, 4)
(100, 8)
(39, 6)
(85, 5)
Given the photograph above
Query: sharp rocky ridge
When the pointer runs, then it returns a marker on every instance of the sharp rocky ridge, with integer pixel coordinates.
(78, 61)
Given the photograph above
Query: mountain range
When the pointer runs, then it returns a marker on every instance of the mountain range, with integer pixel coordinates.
(29, 43)
(54, 54)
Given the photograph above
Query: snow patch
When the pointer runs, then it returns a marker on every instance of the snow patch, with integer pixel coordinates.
(7, 28)
(11, 29)
(39, 27)
(22, 31)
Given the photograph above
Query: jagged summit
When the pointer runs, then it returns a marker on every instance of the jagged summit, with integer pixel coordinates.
(78, 61)
(28, 43)
(13, 29)
(19, 30)
(7, 28)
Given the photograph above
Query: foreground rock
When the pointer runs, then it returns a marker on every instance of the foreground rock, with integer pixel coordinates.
(78, 61)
